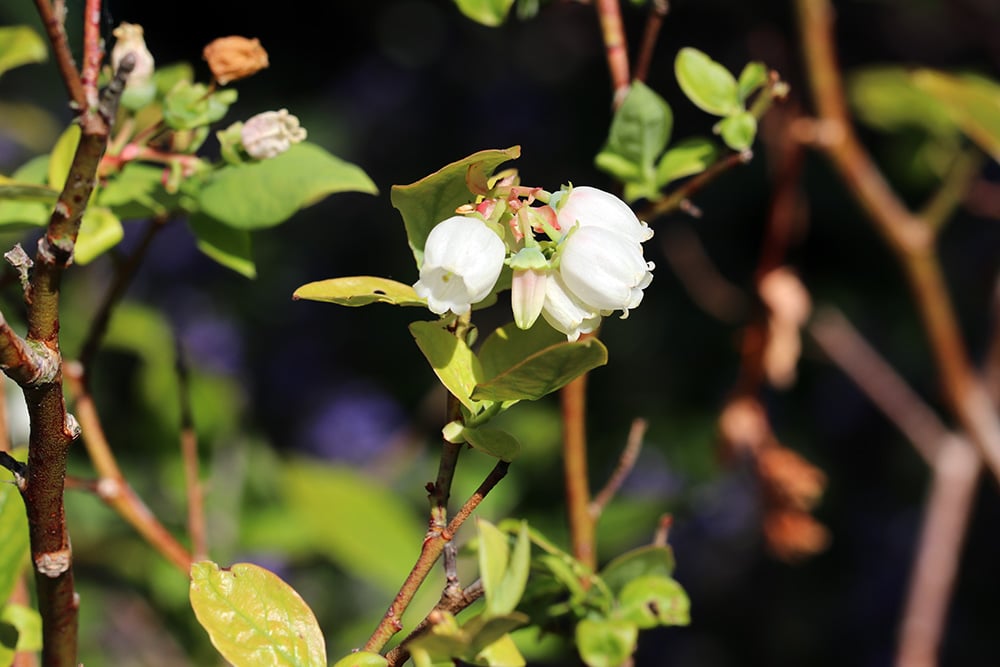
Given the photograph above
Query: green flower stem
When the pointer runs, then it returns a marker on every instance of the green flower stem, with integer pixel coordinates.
(430, 551)
(581, 522)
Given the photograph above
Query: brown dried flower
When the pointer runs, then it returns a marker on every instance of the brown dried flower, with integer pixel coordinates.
(794, 481)
(792, 535)
(233, 58)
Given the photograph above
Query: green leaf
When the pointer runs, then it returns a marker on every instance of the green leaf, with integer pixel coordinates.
(617, 166)
(494, 554)
(360, 291)
(447, 641)
(362, 659)
(26, 624)
(526, 365)
(100, 231)
(20, 45)
(254, 618)
(639, 132)
(232, 248)
(887, 98)
(654, 600)
(137, 192)
(644, 561)
(708, 84)
(492, 441)
(501, 653)
(487, 12)
(606, 643)
(192, 105)
(14, 545)
(335, 509)
(61, 158)
(516, 577)
(753, 76)
(686, 158)
(738, 130)
(972, 103)
(18, 191)
(167, 77)
(434, 198)
(16, 213)
(452, 360)
(262, 194)
(483, 631)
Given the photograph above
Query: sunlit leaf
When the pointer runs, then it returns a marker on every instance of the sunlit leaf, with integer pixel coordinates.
(20, 45)
(494, 554)
(887, 98)
(100, 231)
(433, 198)
(483, 630)
(488, 12)
(654, 600)
(262, 194)
(753, 76)
(362, 659)
(61, 157)
(254, 618)
(492, 441)
(685, 158)
(360, 291)
(972, 102)
(189, 105)
(14, 545)
(27, 624)
(137, 192)
(526, 365)
(28, 214)
(232, 248)
(738, 130)
(644, 561)
(501, 653)
(11, 190)
(708, 84)
(452, 360)
(606, 643)
(639, 132)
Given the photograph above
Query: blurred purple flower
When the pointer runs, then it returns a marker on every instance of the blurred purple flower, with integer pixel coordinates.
(354, 425)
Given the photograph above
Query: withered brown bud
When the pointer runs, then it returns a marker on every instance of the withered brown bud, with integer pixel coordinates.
(233, 58)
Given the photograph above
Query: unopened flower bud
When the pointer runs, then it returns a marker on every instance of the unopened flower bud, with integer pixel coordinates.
(130, 39)
(271, 133)
(233, 58)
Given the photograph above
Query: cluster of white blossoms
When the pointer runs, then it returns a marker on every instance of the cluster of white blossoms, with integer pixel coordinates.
(590, 265)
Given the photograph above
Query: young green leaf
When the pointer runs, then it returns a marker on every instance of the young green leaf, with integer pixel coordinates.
(972, 103)
(654, 600)
(605, 642)
(738, 130)
(100, 231)
(61, 157)
(452, 360)
(14, 545)
(526, 365)
(494, 554)
(266, 193)
(640, 562)
(685, 158)
(137, 192)
(232, 248)
(492, 441)
(362, 659)
(501, 653)
(360, 291)
(487, 12)
(20, 45)
(28, 625)
(639, 132)
(434, 198)
(753, 76)
(28, 214)
(254, 618)
(187, 105)
(18, 191)
(708, 84)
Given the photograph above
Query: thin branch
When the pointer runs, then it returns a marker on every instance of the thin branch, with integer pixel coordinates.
(884, 387)
(704, 283)
(912, 238)
(56, 31)
(430, 551)
(189, 453)
(679, 197)
(92, 51)
(609, 13)
(451, 604)
(626, 462)
(582, 525)
(18, 469)
(657, 12)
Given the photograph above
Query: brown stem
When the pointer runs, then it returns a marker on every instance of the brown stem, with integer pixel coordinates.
(657, 12)
(581, 523)
(610, 15)
(112, 487)
(92, 51)
(679, 197)
(911, 237)
(63, 56)
(626, 462)
(453, 604)
(430, 551)
(708, 288)
(189, 453)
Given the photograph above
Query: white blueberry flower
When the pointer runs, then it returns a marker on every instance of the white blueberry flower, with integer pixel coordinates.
(589, 207)
(271, 133)
(604, 270)
(462, 261)
(564, 312)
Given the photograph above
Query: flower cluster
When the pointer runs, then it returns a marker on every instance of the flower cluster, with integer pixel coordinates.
(574, 261)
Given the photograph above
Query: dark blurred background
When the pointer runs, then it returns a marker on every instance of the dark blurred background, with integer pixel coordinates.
(402, 88)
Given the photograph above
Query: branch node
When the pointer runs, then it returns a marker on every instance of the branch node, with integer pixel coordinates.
(20, 260)
(53, 563)
(71, 427)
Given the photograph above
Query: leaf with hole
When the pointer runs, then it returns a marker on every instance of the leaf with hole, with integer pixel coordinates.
(360, 291)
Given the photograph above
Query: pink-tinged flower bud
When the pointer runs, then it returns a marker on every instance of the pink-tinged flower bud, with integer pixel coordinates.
(590, 207)
(604, 269)
(233, 58)
(129, 39)
(271, 133)
(566, 313)
(462, 261)
(527, 290)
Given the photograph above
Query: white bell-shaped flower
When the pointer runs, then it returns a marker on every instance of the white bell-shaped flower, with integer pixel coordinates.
(604, 270)
(566, 313)
(589, 207)
(462, 261)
